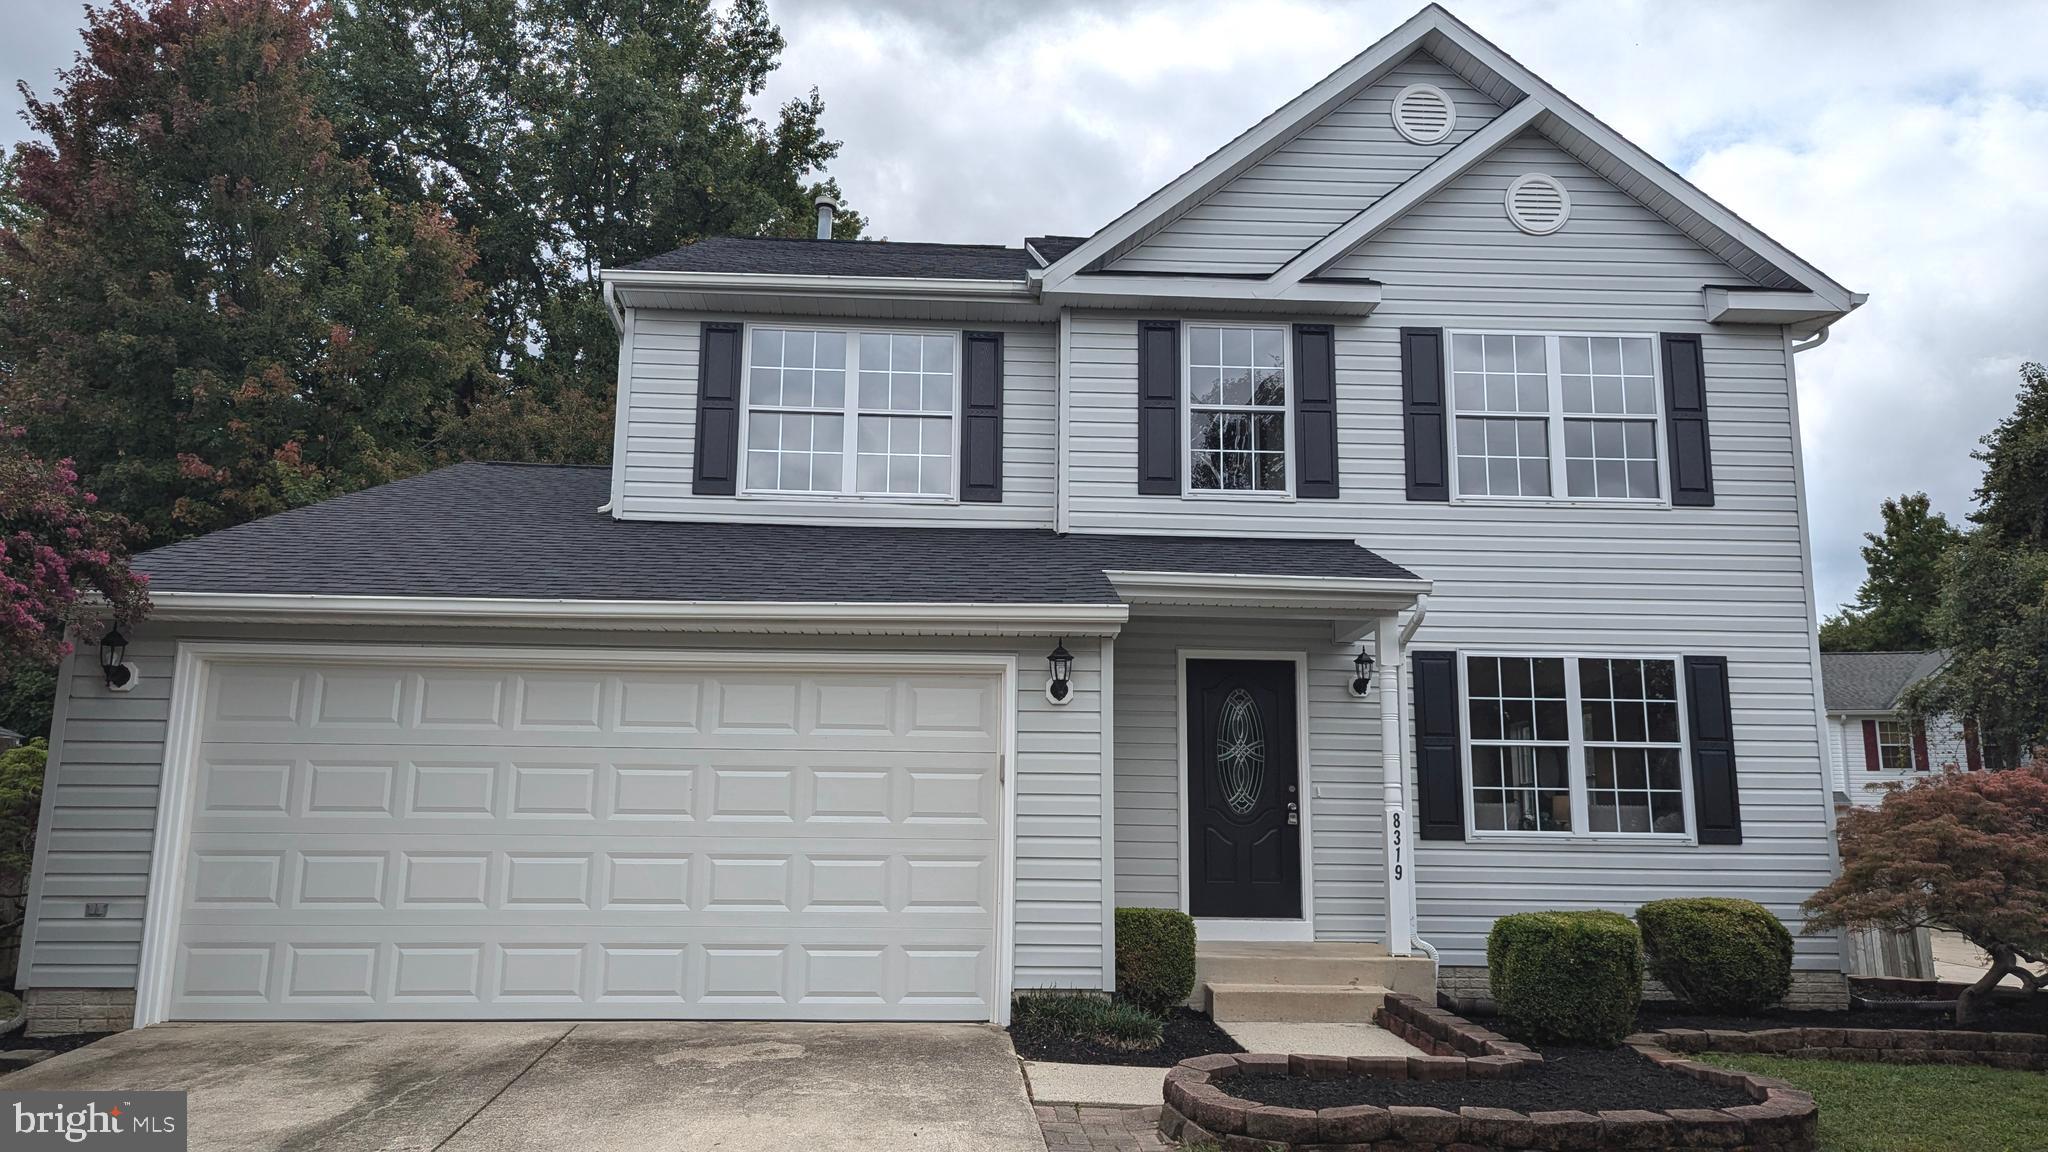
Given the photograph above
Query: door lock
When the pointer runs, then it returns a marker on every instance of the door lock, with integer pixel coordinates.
(1293, 812)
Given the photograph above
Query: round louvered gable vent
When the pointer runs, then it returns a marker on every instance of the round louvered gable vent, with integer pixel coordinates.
(1538, 204)
(1424, 114)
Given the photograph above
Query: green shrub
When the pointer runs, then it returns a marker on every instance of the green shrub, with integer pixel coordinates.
(1155, 957)
(1085, 1017)
(1716, 954)
(1572, 977)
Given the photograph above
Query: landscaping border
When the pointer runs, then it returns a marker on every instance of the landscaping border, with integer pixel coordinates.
(2027, 1051)
(1442, 1032)
(1198, 1109)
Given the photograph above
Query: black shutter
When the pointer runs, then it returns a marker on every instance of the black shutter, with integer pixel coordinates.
(1440, 794)
(1424, 416)
(718, 410)
(1685, 418)
(1315, 412)
(1716, 806)
(981, 418)
(1159, 449)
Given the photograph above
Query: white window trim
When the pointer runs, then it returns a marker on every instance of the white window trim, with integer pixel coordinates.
(1188, 491)
(1575, 757)
(1556, 416)
(852, 413)
(1909, 744)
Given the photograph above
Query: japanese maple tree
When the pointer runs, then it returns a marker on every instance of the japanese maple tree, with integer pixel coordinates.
(1963, 851)
(57, 546)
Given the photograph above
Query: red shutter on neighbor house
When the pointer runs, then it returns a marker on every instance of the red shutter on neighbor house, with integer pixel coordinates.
(1921, 763)
(1972, 751)
(1871, 759)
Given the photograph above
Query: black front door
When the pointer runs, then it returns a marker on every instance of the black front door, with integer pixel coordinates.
(1244, 827)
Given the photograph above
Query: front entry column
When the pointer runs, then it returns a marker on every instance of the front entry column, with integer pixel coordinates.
(1398, 842)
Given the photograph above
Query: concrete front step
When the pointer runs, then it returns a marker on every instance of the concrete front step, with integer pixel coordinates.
(1292, 1003)
(1317, 964)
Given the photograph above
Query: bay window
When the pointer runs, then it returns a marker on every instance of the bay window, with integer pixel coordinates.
(838, 412)
(1575, 745)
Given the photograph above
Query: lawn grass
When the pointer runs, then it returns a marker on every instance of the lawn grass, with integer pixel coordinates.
(1914, 1107)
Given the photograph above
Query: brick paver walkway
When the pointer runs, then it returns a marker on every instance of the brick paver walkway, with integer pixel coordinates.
(1100, 1128)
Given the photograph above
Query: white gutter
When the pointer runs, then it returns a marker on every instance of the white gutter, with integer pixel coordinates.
(833, 285)
(696, 615)
(1303, 590)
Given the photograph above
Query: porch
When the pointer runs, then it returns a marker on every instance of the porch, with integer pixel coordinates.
(1262, 788)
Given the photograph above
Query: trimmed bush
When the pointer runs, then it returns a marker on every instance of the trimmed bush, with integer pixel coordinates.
(1155, 957)
(1716, 954)
(1569, 977)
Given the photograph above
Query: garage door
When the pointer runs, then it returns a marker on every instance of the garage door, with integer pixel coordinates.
(461, 842)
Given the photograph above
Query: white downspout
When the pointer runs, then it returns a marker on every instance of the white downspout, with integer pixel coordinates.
(1408, 631)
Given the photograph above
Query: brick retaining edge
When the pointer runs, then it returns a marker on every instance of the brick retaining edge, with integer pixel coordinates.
(2027, 1051)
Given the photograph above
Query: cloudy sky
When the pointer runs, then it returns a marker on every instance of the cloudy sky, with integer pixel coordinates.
(1903, 147)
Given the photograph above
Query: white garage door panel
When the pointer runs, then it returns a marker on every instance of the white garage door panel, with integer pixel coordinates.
(455, 842)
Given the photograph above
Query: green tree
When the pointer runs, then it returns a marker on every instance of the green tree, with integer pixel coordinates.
(1901, 582)
(209, 307)
(1993, 614)
(567, 136)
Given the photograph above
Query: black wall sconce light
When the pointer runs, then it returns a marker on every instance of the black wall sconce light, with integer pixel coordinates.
(1059, 681)
(1361, 673)
(114, 661)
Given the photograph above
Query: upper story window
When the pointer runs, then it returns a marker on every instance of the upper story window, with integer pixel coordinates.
(1237, 417)
(840, 412)
(1566, 745)
(1572, 417)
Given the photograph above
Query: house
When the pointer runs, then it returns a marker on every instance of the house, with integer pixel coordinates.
(1394, 522)
(1872, 743)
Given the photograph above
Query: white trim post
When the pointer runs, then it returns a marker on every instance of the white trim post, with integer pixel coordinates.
(1397, 841)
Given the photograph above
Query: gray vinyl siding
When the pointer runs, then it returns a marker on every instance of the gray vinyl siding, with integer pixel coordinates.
(659, 445)
(108, 761)
(1342, 774)
(1334, 169)
(1551, 577)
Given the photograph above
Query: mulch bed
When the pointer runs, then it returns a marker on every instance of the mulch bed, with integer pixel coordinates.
(51, 1044)
(1585, 1079)
(1188, 1033)
(2001, 1015)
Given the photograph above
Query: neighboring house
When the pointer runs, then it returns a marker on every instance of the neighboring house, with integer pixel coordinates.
(771, 718)
(1872, 743)
(9, 738)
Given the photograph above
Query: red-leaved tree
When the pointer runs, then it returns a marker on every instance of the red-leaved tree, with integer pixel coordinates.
(57, 546)
(1963, 851)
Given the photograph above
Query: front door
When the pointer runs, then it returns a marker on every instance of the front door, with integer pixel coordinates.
(1244, 804)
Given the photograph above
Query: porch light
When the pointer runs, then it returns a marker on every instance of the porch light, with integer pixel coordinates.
(114, 661)
(1361, 673)
(1059, 687)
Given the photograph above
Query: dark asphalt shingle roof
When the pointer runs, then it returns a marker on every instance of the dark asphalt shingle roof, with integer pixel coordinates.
(786, 257)
(534, 532)
(1873, 681)
(1054, 247)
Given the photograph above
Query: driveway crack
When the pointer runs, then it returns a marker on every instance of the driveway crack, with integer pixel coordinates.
(537, 1058)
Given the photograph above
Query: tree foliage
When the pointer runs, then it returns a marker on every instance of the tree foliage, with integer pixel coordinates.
(1993, 612)
(1901, 584)
(566, 136)
(216, 313)
(57, 546)
(21, 796)
(1963, 851)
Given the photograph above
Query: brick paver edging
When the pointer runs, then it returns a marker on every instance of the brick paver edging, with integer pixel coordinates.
(1445, 1033)
(2023, 1050)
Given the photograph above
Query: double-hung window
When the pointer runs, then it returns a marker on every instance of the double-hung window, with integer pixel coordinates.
(1895, 746)
(1555, 417)
(1575, 745)
(842, 412)
(1237, 409)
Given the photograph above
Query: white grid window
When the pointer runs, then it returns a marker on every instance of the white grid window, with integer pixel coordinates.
(1895, 746)
(1633, 775)
(1575, 747)
(894, 424)
(1237, 409)
(1516, 398)
(1521, 744)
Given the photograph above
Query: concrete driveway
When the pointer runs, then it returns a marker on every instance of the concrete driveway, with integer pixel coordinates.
(593, 1087)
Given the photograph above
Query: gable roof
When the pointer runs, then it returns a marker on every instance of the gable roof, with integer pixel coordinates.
(1874, 681)
(1436, 32)
(783, 256)
(527, 531)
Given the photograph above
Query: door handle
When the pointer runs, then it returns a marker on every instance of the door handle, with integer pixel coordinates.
(1293, 812)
